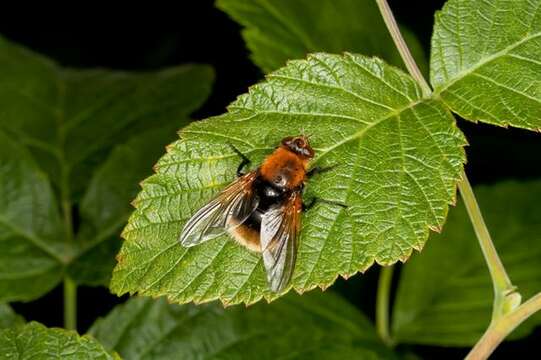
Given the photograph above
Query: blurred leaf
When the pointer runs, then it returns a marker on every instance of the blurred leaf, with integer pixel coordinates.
(445, 295)
(485, 61)
(106, 204)
(280, 30)
(70, 119)
(35, 341)
(75, 125)
(31, 232)
(8, 317)
(321, 326)
(399, 157)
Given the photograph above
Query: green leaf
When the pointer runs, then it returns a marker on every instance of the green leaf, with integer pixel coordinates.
(321, 326)
(106, 205)
(280, 30)
(35, 341)
(485, 61)
(399, 157)
(92, 135)
(8, 317)
(70, 119)
(31, 232)
(445, 295)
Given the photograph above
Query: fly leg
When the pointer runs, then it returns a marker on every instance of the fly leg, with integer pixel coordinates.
(313, 201)
(319, 170)
(245, 161)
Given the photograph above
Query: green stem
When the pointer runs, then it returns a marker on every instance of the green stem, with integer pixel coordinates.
(382, 304)
(503, 288)
(500, 328)
(70, 304)
(402, 46)
(70, 287)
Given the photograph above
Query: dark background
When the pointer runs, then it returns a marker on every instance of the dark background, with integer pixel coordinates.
(196, 32)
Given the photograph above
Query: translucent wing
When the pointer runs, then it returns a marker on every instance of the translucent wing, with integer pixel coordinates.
(237, 201)
(280, 227)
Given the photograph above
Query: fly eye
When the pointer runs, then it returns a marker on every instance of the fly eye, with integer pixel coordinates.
(300, 143)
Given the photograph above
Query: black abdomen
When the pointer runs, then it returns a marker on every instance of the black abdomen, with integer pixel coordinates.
(269, 195)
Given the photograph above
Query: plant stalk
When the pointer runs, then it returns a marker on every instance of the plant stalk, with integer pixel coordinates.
(70, 304)
(503, 288)
(382, 304)
(500, 328)
(402, 46)
(70, 287)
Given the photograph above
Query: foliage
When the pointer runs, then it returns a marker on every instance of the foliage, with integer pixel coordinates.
(8, 318)
(478, 49)
(444, 297)
(77, 140)
(153, 329)
(35, 341)
(399, 158)
(74, 143)
(280, 30)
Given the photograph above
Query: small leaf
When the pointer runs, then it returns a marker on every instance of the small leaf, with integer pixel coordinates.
(398, 158)
(35, 341)
(31, 232)
(8, 317)
(280, 30)
(321, 326)
(445, 295)
(485, 60)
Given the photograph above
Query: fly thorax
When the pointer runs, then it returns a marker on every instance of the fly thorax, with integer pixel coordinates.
(281, 179)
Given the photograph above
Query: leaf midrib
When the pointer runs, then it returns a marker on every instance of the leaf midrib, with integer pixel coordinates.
(468, 71)
(36, 241)
(358, 134)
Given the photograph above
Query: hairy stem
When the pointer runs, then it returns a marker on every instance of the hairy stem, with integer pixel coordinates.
(382, 304)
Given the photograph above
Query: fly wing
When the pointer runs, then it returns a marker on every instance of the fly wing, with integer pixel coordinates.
(280, 228)
(237, 201)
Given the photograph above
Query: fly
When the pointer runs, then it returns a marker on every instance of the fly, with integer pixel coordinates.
(261, 209)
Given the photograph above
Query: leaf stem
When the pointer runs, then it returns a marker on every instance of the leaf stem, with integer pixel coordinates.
(70, 287)
(503, 326)
(70, 304)
(382, 304)
(402, 46)
(503, 288)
